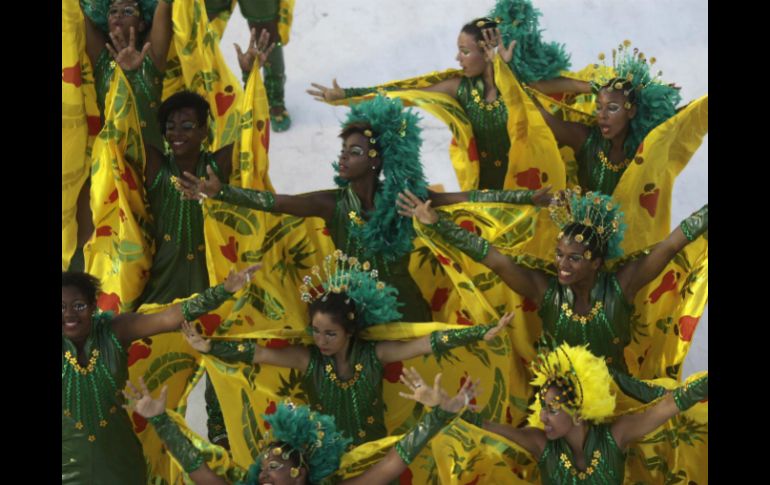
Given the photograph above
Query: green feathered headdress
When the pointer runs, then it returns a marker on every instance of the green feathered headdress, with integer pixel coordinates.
(387, 236)
(655, 101)
(533, 59)
(299, 429)
(573, 213)
(97, 11)
(375, 301)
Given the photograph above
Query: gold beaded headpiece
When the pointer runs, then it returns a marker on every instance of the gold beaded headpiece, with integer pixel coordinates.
(631, 72)
(573, 213)
(313, 436)
(375, 301)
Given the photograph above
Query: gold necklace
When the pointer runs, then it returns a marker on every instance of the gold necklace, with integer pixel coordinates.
(74, 362)
(609, 165)
(349, 383)
(484, 105)
(574, 471)
(583, 319)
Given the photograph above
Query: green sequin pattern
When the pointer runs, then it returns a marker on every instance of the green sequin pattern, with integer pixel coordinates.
(489, 122)
(593, 175)
(354, 401)
(605, 462)
(179, 265)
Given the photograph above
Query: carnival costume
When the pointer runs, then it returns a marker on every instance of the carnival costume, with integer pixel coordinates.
(356, 403)
(584, 389)
(660, 141)
(386, 238)
(615, 329)
(192, 64)
(482, 131)
(122, 249)
(93, 423)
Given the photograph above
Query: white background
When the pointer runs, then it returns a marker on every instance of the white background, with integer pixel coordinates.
(363, 43)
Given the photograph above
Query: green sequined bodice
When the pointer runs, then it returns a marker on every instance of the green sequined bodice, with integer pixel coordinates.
(94, 425)
(605, 462)
(415, 308)
(593, 175)
(489, 122)
(147, 86)
(607, 333)
(179, 264)
(606, 329)
(356, 403)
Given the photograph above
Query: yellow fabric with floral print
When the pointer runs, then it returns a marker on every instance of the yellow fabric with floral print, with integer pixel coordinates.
(203, 69)
(120, 253)
(645, 189)
(80, 121)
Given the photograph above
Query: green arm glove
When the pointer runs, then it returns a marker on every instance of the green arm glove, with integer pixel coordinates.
(473, 418)
(205, 301)
(429, 425)
(689, 394)
(177, 443)
(231, 351)
(696, 224)
(442, 341)
(474, 246)
(506, 196)
(261, 200)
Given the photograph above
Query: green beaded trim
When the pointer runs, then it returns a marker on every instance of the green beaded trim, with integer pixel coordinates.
(686, 230)
(469, 243)
(206, 301)
(505, 196)
(233, 351)
(404, 456)
(177, 443)
(253, 199)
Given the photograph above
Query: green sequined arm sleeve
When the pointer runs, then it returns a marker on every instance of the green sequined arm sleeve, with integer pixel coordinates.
(473, 418)
(474, 246)
(696, 224)
(261, 200)
(442, 341)
(506, 196)
(415, 440)
(231, 351)
(689, 394)
(206, 301)
(177, 443)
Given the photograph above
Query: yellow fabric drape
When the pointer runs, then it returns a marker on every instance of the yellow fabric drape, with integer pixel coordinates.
(196, 59)
(120, 252)
(80, 120)
(271, 311)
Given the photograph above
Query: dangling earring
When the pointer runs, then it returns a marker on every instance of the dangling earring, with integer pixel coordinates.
(166, 147)
(374, 167)
(294, 472)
